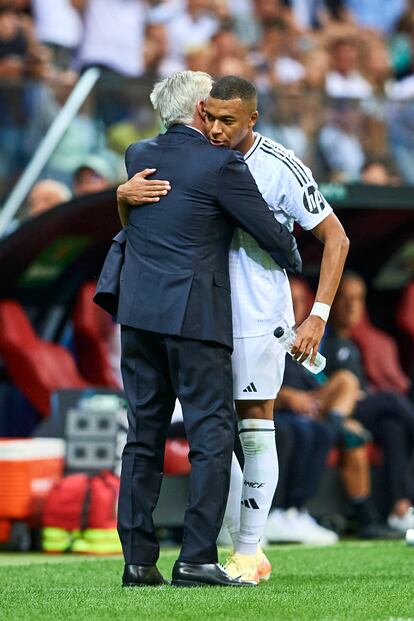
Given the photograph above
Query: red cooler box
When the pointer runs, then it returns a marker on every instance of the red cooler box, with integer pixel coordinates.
(28, 469)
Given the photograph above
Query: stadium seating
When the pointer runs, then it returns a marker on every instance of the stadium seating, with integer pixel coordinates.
(36, 366)
(91, 326)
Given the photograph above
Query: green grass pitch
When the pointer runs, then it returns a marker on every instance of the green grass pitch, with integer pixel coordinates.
(353, 581)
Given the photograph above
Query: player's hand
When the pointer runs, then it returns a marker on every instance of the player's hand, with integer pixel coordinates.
(308, 337)
(139, 190)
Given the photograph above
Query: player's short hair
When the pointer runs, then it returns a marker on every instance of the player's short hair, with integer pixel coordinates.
(176, 97)
(234, 87)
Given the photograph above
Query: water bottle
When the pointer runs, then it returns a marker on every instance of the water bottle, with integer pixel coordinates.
(286, 337)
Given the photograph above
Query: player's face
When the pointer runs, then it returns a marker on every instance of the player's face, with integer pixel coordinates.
(229, 123)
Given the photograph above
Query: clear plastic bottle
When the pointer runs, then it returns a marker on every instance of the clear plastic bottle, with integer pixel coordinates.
(286, 337)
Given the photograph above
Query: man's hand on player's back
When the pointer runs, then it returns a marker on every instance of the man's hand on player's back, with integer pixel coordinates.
(140, 191)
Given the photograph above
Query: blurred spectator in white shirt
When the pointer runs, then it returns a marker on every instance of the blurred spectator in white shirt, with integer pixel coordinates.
(158, 62)
(339, 143)
(274, 60)
(195, 26)
(344, 79)
(58, 25)
(113, 35)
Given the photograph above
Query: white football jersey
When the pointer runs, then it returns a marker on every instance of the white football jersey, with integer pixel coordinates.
(259, 287)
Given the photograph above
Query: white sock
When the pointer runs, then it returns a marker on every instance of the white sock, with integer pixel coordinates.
(260, 476)
(232, 516)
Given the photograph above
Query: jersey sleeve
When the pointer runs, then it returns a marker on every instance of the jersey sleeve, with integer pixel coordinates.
(303, 200)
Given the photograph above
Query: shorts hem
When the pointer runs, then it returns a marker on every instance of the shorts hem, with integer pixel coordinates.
(253, 397)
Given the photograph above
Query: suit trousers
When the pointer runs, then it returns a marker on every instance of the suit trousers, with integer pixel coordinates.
(157, 368)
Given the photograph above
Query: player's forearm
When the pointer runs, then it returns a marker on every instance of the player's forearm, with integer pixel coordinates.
(123, 206)
(336, 245)
(332, 265)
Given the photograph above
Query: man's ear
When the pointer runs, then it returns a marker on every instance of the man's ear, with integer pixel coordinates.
(200, 109)
(253, 118)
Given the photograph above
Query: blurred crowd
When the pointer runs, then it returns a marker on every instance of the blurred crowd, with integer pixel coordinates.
(364, 396)
(335, 77)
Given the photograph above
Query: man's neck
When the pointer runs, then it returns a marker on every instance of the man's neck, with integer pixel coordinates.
(246, 144)
(198, 124)
(197, 130)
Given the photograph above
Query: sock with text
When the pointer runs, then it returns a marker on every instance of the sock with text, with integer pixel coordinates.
(260, 477)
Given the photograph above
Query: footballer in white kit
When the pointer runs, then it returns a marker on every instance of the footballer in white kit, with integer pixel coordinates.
(261, 298)
(261, 301)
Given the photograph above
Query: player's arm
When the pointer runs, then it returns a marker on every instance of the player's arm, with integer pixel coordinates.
(239, 196)
(139, 191)
(336, 244)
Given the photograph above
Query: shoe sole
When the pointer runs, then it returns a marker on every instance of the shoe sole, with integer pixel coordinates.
(193, 583)
(129, 585)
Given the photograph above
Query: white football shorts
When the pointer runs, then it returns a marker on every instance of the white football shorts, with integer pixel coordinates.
(258, 364)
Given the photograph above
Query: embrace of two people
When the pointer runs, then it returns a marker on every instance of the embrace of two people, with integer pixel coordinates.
(197, 279)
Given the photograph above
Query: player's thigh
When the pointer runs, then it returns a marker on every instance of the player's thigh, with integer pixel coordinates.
(258, 365)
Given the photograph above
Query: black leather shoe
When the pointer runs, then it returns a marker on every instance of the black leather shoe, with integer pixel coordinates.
(142, 575)
(204, 574)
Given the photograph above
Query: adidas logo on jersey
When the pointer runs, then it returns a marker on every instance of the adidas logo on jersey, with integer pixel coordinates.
(250, 388)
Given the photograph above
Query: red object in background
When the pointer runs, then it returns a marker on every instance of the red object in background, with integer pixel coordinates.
(64, 505)
(5, 530)
(405, 312)
(176, 457)
(35, 366)
(78, 502)
(92, 328)
(28, 470)
(380, 357)
(405, 321)
(104, 492)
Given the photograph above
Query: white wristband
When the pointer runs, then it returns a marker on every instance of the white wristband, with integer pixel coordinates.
(321, 310)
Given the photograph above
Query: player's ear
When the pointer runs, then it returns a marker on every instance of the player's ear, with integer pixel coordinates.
(253, 118)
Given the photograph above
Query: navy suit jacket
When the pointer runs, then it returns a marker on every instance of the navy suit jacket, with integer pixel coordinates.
(174, 277)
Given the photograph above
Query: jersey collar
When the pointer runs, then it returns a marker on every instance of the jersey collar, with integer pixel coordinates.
(257, 141)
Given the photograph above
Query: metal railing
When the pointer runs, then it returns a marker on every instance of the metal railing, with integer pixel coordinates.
(51, 139)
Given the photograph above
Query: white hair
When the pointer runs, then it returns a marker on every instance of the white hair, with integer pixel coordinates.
(176, 97)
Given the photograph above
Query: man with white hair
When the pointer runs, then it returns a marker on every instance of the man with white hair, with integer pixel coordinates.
(174, 308)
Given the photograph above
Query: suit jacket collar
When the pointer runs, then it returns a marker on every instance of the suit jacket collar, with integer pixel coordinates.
(184, 129)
